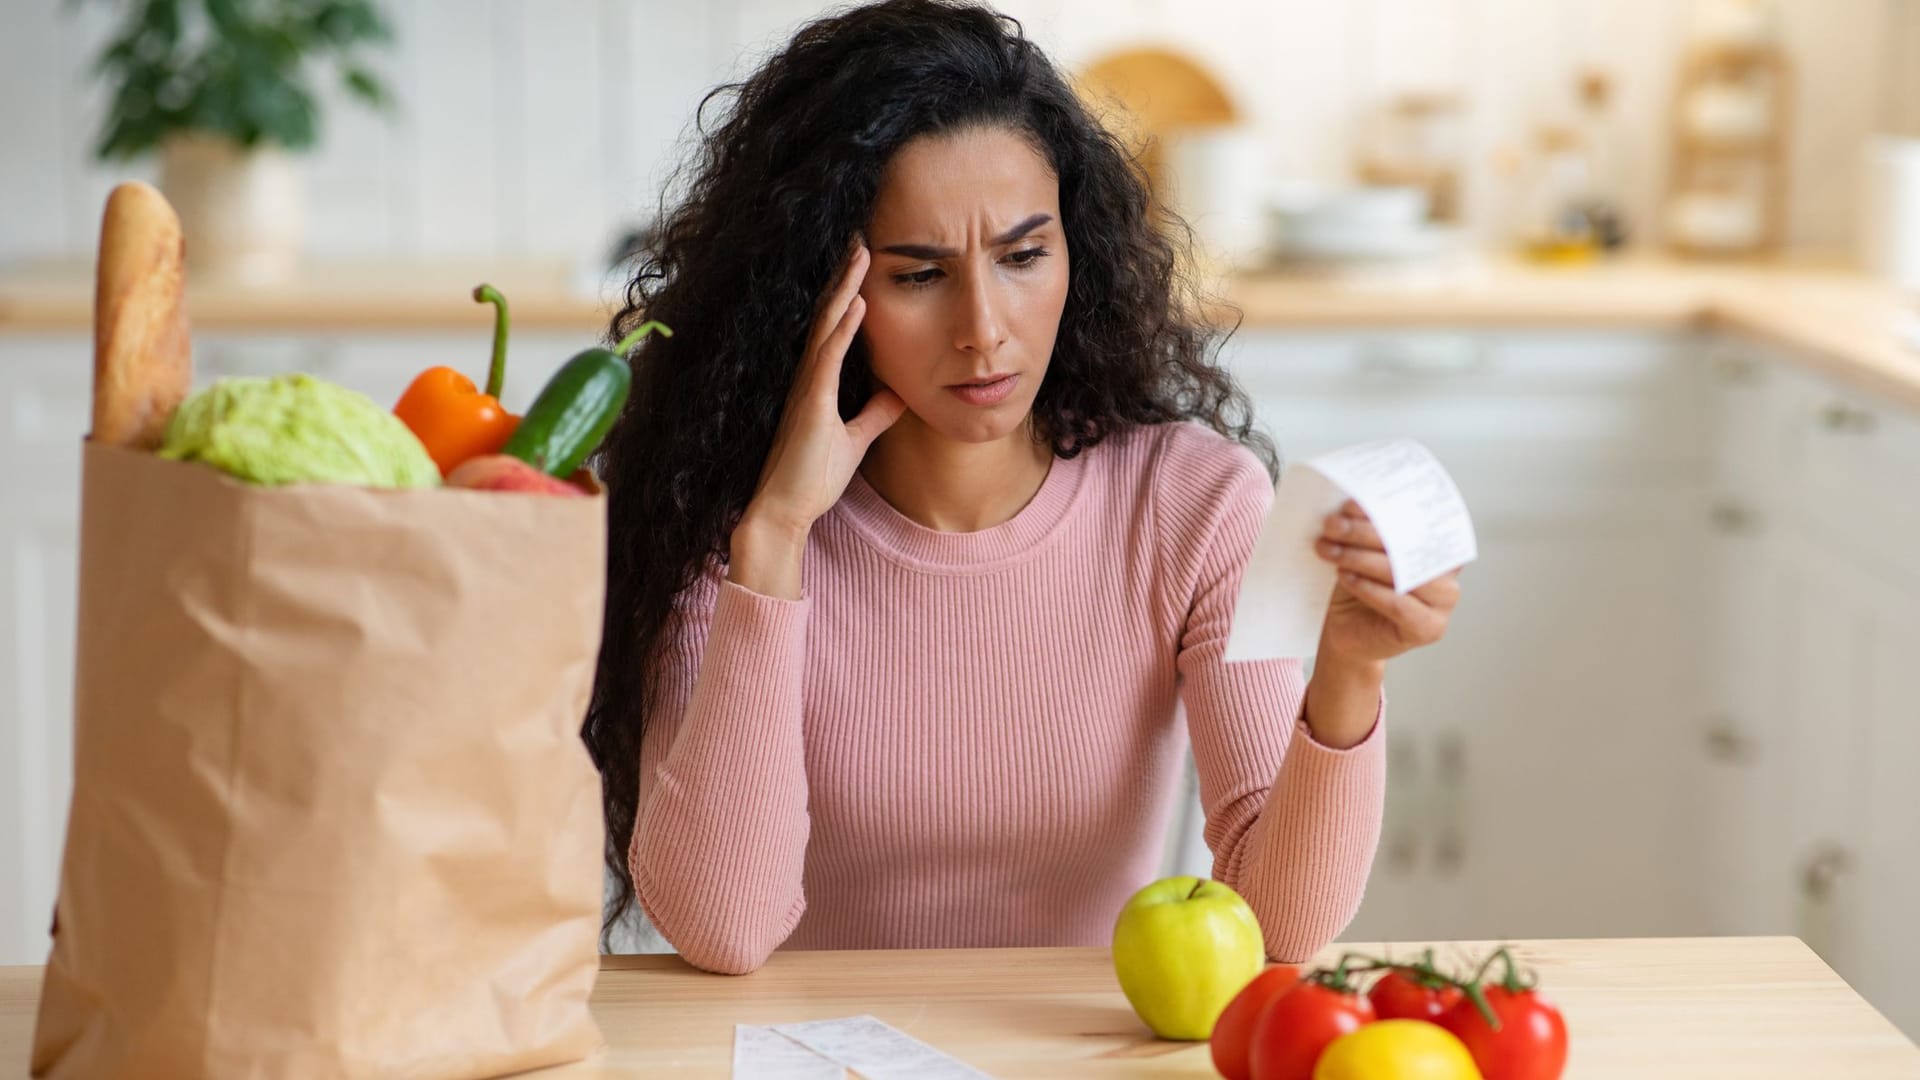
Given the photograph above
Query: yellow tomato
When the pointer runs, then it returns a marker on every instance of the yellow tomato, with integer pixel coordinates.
(1397, 1050)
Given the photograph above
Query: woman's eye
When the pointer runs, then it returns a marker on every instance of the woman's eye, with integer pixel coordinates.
(919, 277)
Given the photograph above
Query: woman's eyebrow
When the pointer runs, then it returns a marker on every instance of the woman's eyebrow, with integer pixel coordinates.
(927, 251)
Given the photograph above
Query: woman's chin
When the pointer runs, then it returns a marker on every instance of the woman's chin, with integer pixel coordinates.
(974, 425)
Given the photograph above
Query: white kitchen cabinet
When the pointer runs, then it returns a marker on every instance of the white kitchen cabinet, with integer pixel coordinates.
(1535, 789)
(1753, 590)
(1736, 736)
(1857, 534)
(1882, 953)
(44, 386)
(1814, 730)
(1843, 867)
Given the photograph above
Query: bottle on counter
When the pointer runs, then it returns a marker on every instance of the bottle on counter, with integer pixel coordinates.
(1604, 207)
(1553, 219)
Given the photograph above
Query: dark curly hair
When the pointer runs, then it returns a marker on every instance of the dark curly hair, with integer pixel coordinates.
(773, 198)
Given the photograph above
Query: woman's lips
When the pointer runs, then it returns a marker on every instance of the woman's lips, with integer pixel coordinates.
(991, 393)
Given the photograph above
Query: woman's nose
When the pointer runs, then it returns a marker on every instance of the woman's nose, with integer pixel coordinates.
(982, 326)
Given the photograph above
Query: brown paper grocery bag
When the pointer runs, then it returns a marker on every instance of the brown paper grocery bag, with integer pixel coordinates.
(332, 815)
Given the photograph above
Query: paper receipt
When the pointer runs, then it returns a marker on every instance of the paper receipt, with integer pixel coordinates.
(822, 1049)
(761, 1053)
(1414, 506)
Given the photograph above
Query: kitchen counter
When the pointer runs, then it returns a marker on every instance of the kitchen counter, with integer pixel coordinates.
(1837, 319)
(334, 297)
(1722, 1007)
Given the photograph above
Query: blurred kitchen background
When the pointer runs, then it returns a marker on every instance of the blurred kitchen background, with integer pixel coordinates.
(540, 129)
(1643, 273)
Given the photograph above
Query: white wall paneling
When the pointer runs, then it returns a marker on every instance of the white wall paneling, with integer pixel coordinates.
(662, 58)
(33, 142)
(559, 167)
(531, 128)
(455, 88)
(82, 101)
(356, 178)
(1837, 77)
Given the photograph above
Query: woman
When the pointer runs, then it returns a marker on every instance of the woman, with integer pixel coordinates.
(927, 515)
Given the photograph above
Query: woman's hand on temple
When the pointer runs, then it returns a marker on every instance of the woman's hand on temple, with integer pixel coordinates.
(814, 452)
(1367, 622)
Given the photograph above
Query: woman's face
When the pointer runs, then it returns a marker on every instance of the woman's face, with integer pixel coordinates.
(968, 280)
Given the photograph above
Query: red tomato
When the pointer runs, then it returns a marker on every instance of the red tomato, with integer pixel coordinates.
(1234, 1028)
(1530, 1045)
(1400, 995)
(1298, 1025)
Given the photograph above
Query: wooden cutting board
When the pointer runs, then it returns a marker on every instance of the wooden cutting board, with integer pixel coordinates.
(1145, 94)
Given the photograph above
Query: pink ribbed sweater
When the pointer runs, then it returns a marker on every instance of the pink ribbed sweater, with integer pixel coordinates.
(970, 739)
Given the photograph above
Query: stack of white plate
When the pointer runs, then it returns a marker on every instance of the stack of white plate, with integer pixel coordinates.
(1356, 224)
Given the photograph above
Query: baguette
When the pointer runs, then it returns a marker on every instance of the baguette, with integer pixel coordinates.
(142, 352)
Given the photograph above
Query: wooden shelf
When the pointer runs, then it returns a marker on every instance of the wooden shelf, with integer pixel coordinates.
(1697, 158)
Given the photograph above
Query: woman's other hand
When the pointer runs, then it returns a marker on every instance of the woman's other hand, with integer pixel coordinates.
(1367, 622)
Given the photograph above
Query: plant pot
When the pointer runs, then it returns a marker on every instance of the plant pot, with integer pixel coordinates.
(244, 211)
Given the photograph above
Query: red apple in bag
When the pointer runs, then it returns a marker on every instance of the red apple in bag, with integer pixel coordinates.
(499, 472)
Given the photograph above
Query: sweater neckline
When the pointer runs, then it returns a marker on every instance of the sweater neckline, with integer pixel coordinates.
(910, 542)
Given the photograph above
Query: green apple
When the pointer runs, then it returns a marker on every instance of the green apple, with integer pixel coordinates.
(1183, 946)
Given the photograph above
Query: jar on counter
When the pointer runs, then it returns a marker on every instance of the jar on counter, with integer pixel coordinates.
(1552, 220)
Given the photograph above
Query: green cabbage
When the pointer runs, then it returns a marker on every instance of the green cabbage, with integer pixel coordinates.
(296, 429)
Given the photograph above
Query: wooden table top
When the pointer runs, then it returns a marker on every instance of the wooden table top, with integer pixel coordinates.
(1685, 1007)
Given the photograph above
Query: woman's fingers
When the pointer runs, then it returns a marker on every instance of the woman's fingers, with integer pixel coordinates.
(879, 414)
(1368, 563)
(1351, 528)
(833, 306)
(833, 329)
(1418, 623)
(1349, 539)
(1442, 593)
(825, 375)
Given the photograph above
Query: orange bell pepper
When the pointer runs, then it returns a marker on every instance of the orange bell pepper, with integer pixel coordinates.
(452, 419)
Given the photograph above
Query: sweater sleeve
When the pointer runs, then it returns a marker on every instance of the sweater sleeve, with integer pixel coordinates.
(720, 841)
(1292, 824)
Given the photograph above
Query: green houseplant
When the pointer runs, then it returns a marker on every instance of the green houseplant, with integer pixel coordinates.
(226, 92)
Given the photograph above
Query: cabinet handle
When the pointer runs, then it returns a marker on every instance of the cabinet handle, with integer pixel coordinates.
(1736, 367)
(1728, 516)
(1404, 809)
(1820, 877)
(1823, 871)
(1450, 772)
(1843, 418)
(1727, 743)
